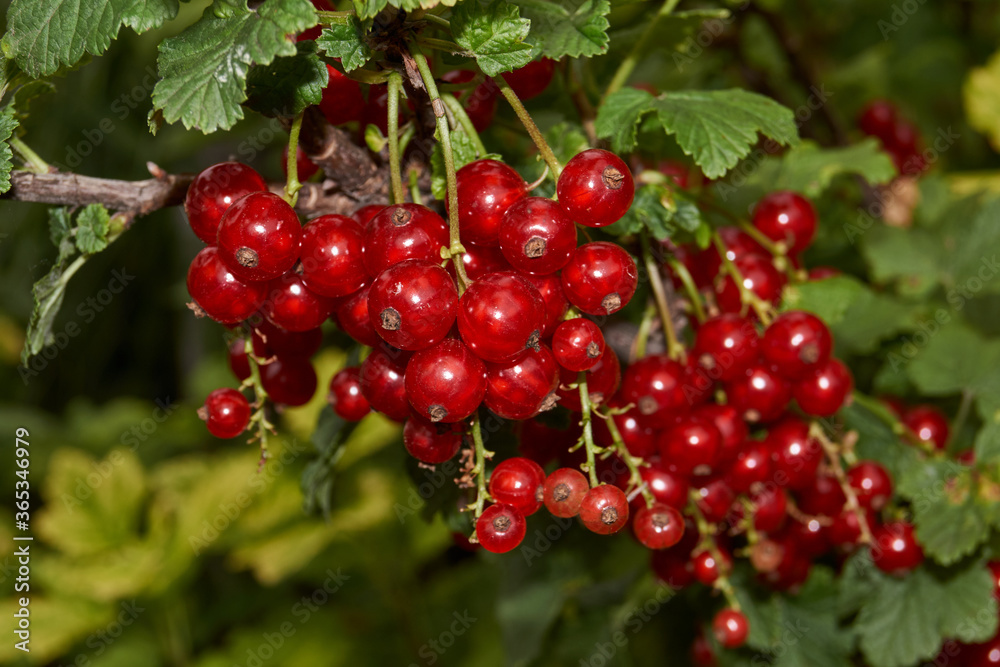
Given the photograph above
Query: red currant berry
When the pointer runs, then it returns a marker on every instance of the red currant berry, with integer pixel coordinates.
(726, 346)
(810, 537)
(760, 395)
(401, 232)
(290, 381)
(600, 278)
(878, 118)
(738, 245)
(708, 567)
(702, 653)
(536, 236)
(823, 497)
(332, 248)
(673, 566)
(431, 443)
(518, 482)
(294, 307)
(666, 487)
(714, 499)
(602, 382)
(845, 531)
(213, 191)
(365, 214)
(220, 294)
(770, 508)
(595, 188)
(238, 362)
(752, 466)
(270, 340)
(928, 423)
(788, 218)
(895, 549)
(994, 567)
(796, 455)
(342, 101)
(413, 304)
(532, 79)
(658, 526)
(226, 413)
(446, 382)
(522, 388)
(304, 167)
(656, 385)
(639, 439)
(759, 277)
(730, 628)
(352, 318)
(500, 528)
(383, 384)
(796, 344)
(578, 344)
(563, 492)
(480, 260)
(732, 429)
(500, 316)
(871, 483)
(676, 171)
(486, 190)
(345, 395)
(259, 237)
(604, 509)
(691, 445)
(985, 654)
(556, 305)
(825, 391)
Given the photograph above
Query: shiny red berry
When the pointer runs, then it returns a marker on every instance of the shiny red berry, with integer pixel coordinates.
(500, 316)
(595, 188)
(342, 101)
(658, 526)
(600, 278)
(293, 306)
(518, 482)
(825, 391)
(401, 232)
(413, 304)
(927, 423)
(345, 395)
(431, 443)
(578, 344)
(290, 381)
(446, 382)
(213, 191)
(332, 256)
(796, 456)
(238, 362)
(259, 237)
(224, 297)
(536, 236)
(604, 509)
(691, 446)
(871, 483)
(603, 381)
(760, 395)
(666, 487)
(563, 492)
(714, 499)
(725, 346)
(656, 385)
(383, 384)
(352, 318)
(486, 190)
(752, 466)
(895, 549)
(639, 439)
(556, 305)
(270, 340)
(845, 531)
(786, 217)
(732, 429)
(822, 497)
(226, 413)
(796, 344)
(730, 628)
(500, 528)
(708, 566)
(532, 79)
(759, 277)
(364, 214)
(878, 118)
(522, 388)
(480, 260)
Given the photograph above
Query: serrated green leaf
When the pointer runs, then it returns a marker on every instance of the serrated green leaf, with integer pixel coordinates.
(347, 43)
(829, 299)
(203, 70)
(48, 294)
(810, 169)
(60, 228)
(494, 34)
(44, 36)
(911, 259)
(956, 359)
(366, 9)
(574, 28)
(289, 84)
(8, 124)
(92, 229)
(463, 152)
(872, 318)
(619, 116)
(973, 262)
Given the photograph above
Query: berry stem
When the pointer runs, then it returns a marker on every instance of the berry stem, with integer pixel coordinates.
(748, 298)
(692, 290)
(633, 463)
(463, 119)
(436, 20)
(645, 327)
(395, 173)
(529, 124)
(292, 184)
(627, 65)
(415, 194)
(588, 432)
(33, 162)
(708, 542)
(259, 416)
(675, 350)
(776, 249)
(482, 495)
(451, 182)
(440, 45)
(832, 452)
(335, 18)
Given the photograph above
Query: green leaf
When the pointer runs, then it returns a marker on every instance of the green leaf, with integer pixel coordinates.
(493, 34)
(48, 293)
(810, 169)
(981, 95)
(367, 9)
(987, 444)
(973, 262)
(574, 28)
(8, 123)
(318, 478)
(877, 442)
(619, 116)
(44, 36)
(566, 140)
(463, 152)
(909, 258)
(672, 32)
(289, 84)
(828, 299)
(203, 70)
(904, 620)
(92, 229)
(347, 43)
(61, 229)
(955, 359)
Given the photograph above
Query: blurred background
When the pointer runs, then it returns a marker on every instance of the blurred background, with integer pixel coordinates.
(157, 544)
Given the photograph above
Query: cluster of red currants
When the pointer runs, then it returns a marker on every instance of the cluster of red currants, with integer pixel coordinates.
(900, 137)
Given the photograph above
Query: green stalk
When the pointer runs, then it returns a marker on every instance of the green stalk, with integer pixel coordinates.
(674, 348)
(708, 542)
(395, 174)
(441, 45)
(415, 187)
(529, 124)
(479, 470)
(635, 480)
(436, 20)
(458, 111)
(645, 327)
(833, 458)
(259, 417)
(628, 65)
(748, 298)
(689, 287)
(292, 184)
(34, 163)
(588, 432)
(335, 18)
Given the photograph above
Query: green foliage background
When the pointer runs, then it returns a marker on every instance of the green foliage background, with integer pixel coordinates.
(132, 493)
